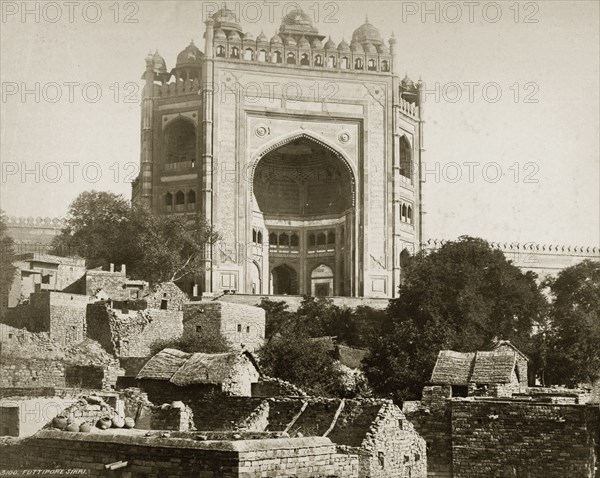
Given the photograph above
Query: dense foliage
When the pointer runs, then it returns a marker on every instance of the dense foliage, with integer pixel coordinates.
(459, 297)
(573, 335)
(207, 342)
(104, 228)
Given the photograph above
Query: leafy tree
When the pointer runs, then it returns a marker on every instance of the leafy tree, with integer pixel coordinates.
(96, 229)
(574, 332)
(278, 319)
(303, 362)
(7, 269)
(169, 247)
(104, 228)
(459, 297)
(207, 342)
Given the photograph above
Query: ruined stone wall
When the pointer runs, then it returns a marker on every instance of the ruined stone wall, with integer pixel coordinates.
(275, 387)
(497, 438)
(239, 324)
(313, 457)
(132, 334)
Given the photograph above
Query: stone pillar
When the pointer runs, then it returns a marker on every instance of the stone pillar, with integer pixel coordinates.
(146, 138)
(207, 93)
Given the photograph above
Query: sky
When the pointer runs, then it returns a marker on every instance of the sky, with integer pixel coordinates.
(512, 102)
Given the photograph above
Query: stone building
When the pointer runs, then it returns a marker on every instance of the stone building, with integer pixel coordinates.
(61, 315)
(303, 152)
(240, 325)
(37, 272)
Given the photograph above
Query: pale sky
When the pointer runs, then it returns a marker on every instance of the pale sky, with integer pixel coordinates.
(542, 134)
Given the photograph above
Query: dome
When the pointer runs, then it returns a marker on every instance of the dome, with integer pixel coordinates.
(343, 46)
(262, 38)
(248, 37)
(317, 44)
(159, 63)
(289, 41)
(303, 43)
(226, 19)
(234, 36)
(191, 54)
(220, 35)
(330, 45)
(297, 22)
(356, 47)
(383, 49)
(276, 40)
(369, 48)
(407, 83)
(367, 33)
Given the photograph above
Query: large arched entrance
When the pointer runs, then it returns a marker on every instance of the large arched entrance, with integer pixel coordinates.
(304, 196)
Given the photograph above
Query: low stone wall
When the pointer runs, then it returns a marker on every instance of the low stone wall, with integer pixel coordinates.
(170, 418)
(312, 457)
(501, 438)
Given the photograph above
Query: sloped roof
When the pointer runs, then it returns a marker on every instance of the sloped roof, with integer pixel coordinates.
(164, 364)
(183, 369)
(453, 368)
(493, 367)
(205, 368)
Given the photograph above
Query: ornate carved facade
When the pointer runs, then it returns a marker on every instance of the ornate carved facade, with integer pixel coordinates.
(303, 153)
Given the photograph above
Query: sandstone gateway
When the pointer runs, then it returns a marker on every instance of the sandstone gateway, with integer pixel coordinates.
(304, 153)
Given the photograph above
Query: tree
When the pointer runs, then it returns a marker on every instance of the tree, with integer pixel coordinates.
(459, 297)
(207, 342)
(97, 228)
(573, 355)
(104, 228)
(7, 269)
(169, 247)
(303, 362)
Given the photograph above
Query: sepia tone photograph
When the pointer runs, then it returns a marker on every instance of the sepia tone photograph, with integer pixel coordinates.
(300, 239)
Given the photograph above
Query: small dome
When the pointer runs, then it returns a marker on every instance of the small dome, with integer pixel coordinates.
(289, 41)
(248, 37)
(159, 63)
(356, 47)
(317, 44)
(190, 55)
(407, 83)
(234, 36)
(383, 49)
(303, 43)
(297, 22)
(262, 38)
(220, 35)
(369, 48)
(343, 46)
(330, 45)
(276, 40)
(226, 19)
(367, 33)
